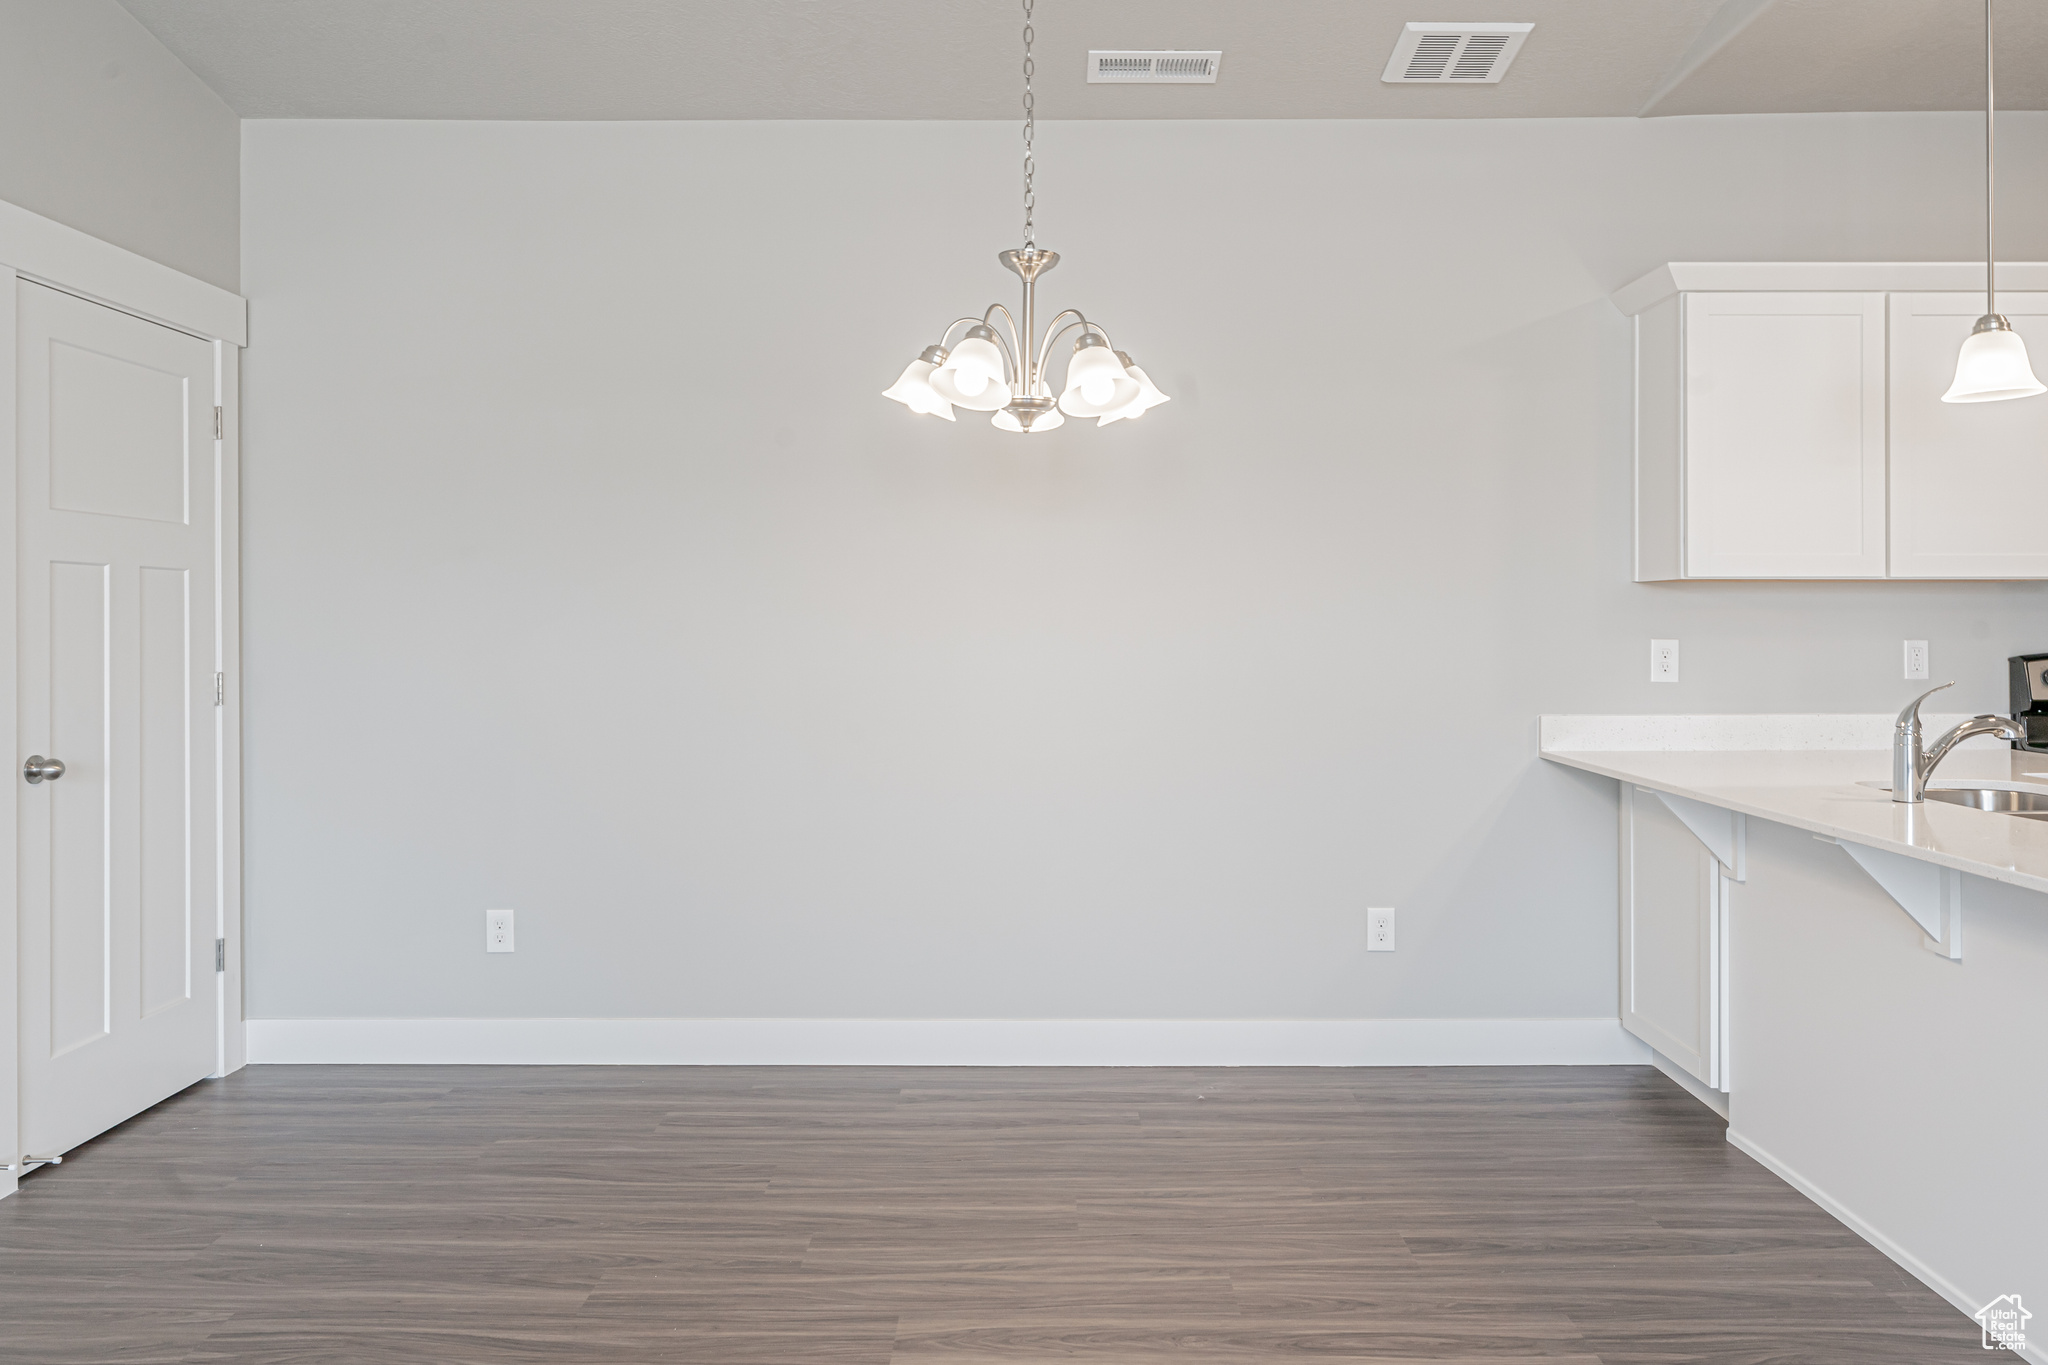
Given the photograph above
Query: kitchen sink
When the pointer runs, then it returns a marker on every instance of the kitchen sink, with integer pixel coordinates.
(2033, 804)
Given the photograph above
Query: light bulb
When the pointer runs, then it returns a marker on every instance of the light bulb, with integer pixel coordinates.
(1098, 389)
(1993, 365)
(973, 374)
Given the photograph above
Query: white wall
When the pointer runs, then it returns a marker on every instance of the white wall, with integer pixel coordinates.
(588, 574)
(102, 129)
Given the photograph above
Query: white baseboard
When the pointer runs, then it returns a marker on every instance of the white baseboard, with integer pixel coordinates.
(1912, 1264)
(948, 1042)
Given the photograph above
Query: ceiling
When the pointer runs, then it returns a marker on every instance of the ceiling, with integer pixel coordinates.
(958, 59)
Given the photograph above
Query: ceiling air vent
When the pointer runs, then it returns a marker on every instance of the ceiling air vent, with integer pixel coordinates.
(1153, 68)
(1449, 54)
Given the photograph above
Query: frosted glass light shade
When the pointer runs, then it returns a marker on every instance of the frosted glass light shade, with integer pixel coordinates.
(1149, 397)
(1993, 365)
(913, 390)
(1043, 422)
(972, 376)
(1047, 420)
(1096, 384)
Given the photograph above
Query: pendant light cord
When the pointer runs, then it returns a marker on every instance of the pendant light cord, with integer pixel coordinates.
(1030, 199)
(1990, 104)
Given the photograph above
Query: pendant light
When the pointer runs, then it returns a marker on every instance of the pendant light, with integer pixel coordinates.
(1005, 375)
(1993, 362)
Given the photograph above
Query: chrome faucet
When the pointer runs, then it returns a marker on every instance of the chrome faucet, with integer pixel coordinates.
(1911, 766)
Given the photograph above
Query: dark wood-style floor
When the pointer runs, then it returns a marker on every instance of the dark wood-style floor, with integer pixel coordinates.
(941, 1217)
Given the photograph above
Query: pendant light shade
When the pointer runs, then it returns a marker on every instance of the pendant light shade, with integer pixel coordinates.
(1993, 365)
(1148, 397)
(1993, 362)
(913, 388)
(1008, 420)
(972, 376)
(1096, 384)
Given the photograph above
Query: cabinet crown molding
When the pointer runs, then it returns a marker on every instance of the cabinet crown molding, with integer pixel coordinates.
(1678, 277)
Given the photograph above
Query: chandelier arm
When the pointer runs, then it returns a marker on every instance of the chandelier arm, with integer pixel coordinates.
(1054, 330)
(955, 323)
(1015, 348)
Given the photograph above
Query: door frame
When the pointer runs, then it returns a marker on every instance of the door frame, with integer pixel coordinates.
(46, 252)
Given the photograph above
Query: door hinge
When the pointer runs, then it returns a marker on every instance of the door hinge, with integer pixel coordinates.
(220, 954)
(220, 425)
(220, 689)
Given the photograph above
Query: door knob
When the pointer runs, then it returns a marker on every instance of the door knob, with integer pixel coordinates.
(40, 769)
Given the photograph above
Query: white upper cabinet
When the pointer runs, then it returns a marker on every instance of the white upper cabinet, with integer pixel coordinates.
(1784, 435)
(1968, 480)
(1789, 425)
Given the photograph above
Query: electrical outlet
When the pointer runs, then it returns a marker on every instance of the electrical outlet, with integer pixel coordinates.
(1663, 661)
(497, 931)
(1379, 929)
(1916, 659)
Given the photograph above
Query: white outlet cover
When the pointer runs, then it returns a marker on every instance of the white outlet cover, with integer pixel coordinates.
(498, 931)
(1916, 659)
(1379, 929)
(1663, 661)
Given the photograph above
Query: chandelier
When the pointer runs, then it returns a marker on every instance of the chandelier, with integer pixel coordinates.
(988, 371)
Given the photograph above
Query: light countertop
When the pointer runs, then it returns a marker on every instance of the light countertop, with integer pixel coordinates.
(1838, 792)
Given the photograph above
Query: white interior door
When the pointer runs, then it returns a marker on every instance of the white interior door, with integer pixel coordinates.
(118, 898)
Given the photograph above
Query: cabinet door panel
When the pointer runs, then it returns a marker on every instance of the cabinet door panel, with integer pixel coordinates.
(1784, 435)
(1969, 481)
(1667, 891)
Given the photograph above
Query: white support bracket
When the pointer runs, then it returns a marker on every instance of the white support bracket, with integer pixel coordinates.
(1724, 832)
(1932, 895)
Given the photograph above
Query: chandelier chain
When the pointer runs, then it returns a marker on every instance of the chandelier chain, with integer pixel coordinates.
(1030, 199)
